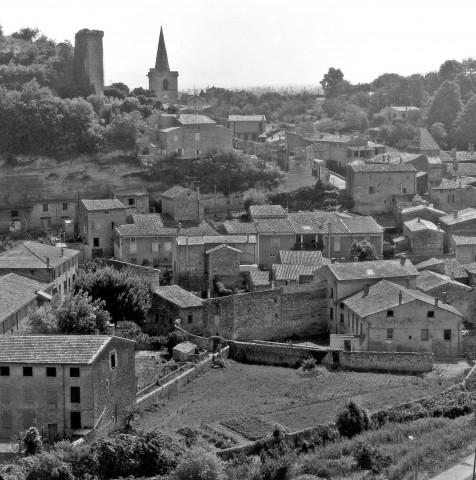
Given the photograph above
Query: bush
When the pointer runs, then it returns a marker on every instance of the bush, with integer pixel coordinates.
(47, 466)
(370, 458)
(352, 420)
(173, 339)
(198, 464)
(308, 364)
(190, 435)
(30, 442)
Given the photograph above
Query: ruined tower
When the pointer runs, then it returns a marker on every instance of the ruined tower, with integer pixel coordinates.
(161, 79)
(88, 60)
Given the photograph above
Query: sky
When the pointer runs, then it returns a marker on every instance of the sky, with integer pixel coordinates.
(249, 43)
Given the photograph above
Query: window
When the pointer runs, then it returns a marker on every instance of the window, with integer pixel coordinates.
(65, 206)
(447, 335)
(155, 246)
(331, 293)
(404, 190)
(4, 371)
(180, 151)
(389, 333)
(190, 318)
(272, 254)
(451, 198)
(342, 305)
(389, 313)
(424, 334)
(348, 154)
(165, 84)
(133, 260)
(112, 360)
(75, 420)
(337, 244)
(403, 115)
(28, 371)
(175, 138)
(14, 213)
(198, 151)
(45, 207)
(197, 136)
(275, 242)
(51, 371)
(133, 245)
(275, 315)
(341, 318)
(331, 313)
(74, 372)
(75, 395)
(131, 202)
(371, 190)
(96, 242)
(431, 314)
(112, 225)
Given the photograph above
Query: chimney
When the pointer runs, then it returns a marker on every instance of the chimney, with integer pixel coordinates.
(208, 294)
(443, 297)
(273, 284)
(62, 251)
(453, 152)
(179, 228)
(47, 263)
(342, 260)
(436, 301)
(366, 288)
(333, 260)
(178, 115)
(403, 260)
(407, 282)
(400, 297)
(455, 213)
(418, 219)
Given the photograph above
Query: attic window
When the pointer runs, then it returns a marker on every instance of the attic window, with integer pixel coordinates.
(431, 314)
(112, 360)
(389, 313)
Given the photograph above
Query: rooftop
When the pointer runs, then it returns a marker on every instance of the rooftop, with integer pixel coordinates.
(193, 119)
(235, 227)
(301, 257)
(393, 157)
(424, 141)
(291, 272)
(361, 225)
(464, 239)
(178, 296)
(35, 255)
(423, 208)
(419, 224)
(428, 280)
(404, 108)
(185, 347)
(175, 191)
(259, 279)
(216, 239)
(52, 349)
(221, 247)
(449, 266)
(274, 225)
(317, 222)
(267, 211)
(17, 291)
(459, 216)
(246, 118)
(130, 191)
(360, 166)
(385, 295)
(106, 204)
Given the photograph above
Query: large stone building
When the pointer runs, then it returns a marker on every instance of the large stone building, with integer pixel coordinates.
(247, 127)
(68, 384)
(162, 80)
(394, 112)
(88, 60)
(425, 237)
(136, 200)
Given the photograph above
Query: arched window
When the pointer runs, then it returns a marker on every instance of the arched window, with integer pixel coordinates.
(165, 84)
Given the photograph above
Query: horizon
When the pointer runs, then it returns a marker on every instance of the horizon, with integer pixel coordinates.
(266, 44)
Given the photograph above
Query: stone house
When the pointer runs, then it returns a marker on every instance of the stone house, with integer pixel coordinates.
(19, 296)
(97, 220)
(388, 317)
(182, 204)
(172, 302)
(424, 212)
(462, 222)
(464, 247)
(424, 144)
(394, 112)
(374, 186)
(223, 264)
(302, 257)
(424, 236)
(345, 279)
(193, 135)
(48, 212)
(247, 127)
(44, 263)
(136, 200)
(289, 274)
(448, 266)
(451, 195)
(69, 384)
(258, 280)
(194, 101)
(449, 291)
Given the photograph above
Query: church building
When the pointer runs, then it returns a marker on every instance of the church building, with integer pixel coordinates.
(161, 79)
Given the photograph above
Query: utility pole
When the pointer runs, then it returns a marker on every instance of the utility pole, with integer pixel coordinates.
(215, 189)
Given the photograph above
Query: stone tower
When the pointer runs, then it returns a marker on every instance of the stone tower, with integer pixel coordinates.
(161, 79)
(88, 60)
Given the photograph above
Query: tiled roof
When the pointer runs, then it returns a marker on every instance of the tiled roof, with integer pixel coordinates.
(423, 208)
(434, 161)
(185, 347)
(465, 170)
(34, 255)
(169, 129)
(470, 267)
(375, 269)
(106, 204)
(267, 211)
(424, 141)
(317, 222)
(274, 225)
(291, 272)
(193, 119)
(418, 224)
(360, 225)
(259, 279)
(466, 156)
(446, 184)
(359, 166)
(52, 349)
(146, 225)
(130, 191)
(428, 280)
(451, 267)
(222, 246)
(246, 118)
(404, 109)
(385, 295)
(393, 157)
(16, 292)
(175, 191)
(301, 257)
(428, 263)
(327, 137)
(178, 296)
(230, 239)
(462, 216)
(234, 227)
(464, 239)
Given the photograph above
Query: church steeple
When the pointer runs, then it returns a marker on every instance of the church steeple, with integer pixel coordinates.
(162, 62)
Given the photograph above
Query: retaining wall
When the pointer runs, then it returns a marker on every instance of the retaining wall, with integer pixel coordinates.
(402, 362)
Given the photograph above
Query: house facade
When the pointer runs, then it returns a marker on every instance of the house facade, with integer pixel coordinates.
(68, 384)
(136, 200)
(247, 127)
(425, 237)
(400, 112)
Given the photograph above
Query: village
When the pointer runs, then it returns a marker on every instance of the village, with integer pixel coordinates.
(240, 317)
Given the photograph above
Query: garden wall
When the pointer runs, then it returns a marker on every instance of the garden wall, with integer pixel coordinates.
(402, 362)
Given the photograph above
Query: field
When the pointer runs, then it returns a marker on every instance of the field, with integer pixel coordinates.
(250, 398)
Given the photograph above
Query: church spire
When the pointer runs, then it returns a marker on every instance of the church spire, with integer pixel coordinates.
(162, 62)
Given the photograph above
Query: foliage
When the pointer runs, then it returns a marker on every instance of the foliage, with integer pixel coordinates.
(26, 33)
(446, 106)
(352, 420)
(364, 250)
(466, 123)
(190, 435)
(114, 93)
(47, 466)
(173, 339)
(199, 464)
(332, 82)
(30, 442)
(438, 132)
(308, 364)
(368, 457)
(124, 130)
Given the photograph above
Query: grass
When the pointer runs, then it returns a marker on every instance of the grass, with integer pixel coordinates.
(151, 365)
(252, 428)
(283, 396)
(442, 442)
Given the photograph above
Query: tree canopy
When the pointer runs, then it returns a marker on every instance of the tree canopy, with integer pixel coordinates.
(332, 82)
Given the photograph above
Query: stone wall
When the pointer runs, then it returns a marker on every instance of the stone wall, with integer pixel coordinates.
(88, 60)
(223, 264)
(402, 362)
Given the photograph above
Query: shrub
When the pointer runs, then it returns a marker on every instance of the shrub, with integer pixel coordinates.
(173, 339)
(308, 364)
(370, 458)
(47, 466)
(30, 442)
(198, 464)
(352, 420)
(276, 463)
(190, 435)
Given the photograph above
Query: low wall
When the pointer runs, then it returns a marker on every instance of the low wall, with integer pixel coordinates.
(402, 362)
(277, 354)
(211, 343)
(469, 383)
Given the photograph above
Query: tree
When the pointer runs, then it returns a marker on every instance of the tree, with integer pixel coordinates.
(363, 250)
(120, 86)
(26, 33)
(114, 93)
(30, 442)
(48, 466)
(449, 69)
(438, 132)
(352, 420)
(466, 123)
(332, 82)
(199, 464)
(124, 130)
(469, 65)
(446, 106)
